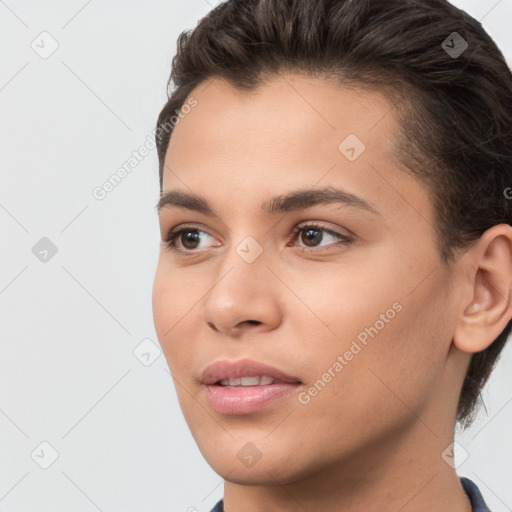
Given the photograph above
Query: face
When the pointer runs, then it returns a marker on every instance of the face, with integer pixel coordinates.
(344, 292)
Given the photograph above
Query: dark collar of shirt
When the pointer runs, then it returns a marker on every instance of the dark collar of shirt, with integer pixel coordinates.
(472, 490)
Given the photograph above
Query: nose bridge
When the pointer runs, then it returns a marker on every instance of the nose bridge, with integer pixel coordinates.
(246, 257)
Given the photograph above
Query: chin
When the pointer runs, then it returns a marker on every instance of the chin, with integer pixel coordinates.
(263, 474)
(238, 461)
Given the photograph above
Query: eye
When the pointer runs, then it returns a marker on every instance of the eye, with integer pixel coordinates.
(190, 238)
(311, 234)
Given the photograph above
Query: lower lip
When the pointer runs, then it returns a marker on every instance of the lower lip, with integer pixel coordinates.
(244, 400)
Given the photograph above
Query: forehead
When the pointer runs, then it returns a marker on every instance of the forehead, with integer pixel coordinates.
(289, 112)
(291, 132)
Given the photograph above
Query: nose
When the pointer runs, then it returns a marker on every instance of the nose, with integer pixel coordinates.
(244, 297)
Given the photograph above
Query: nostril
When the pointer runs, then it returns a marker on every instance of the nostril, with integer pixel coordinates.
(253, 322)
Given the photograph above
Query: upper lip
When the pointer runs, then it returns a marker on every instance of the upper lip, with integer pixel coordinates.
(225, 369)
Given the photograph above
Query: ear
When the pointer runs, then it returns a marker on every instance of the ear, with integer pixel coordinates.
(488, 307)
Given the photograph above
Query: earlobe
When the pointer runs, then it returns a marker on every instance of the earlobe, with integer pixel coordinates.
(490, 306)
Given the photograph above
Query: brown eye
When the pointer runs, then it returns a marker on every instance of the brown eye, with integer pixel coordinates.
(312, 235)
(185, 239)
(189, 237)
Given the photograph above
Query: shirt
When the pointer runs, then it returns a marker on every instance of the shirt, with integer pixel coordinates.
(472, 490)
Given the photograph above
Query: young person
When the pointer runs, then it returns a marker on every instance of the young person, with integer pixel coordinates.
(334, 285)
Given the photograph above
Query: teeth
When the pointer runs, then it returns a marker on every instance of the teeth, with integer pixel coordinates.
(248, 381)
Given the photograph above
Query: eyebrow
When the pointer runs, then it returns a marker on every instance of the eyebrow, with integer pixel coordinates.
(293, 201)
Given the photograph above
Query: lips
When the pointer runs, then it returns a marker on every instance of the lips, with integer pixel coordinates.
(246, 386)
(231, 370)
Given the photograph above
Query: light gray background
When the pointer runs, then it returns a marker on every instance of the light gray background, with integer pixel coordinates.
(68, 374)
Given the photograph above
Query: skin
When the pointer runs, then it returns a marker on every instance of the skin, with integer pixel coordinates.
(372, 439)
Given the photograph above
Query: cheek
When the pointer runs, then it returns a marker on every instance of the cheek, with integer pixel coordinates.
(375, 387)
(160, 301)
(392, 342)
(389, 368)
(173, 304)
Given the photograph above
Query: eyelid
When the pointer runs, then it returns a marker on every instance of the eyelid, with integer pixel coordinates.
(337, 231)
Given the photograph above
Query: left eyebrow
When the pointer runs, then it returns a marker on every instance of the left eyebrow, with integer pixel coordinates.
(293, 201)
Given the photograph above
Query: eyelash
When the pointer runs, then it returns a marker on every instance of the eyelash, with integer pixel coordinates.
(170, 241)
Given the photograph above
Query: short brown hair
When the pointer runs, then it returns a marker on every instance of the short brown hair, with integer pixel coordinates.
(455, 109)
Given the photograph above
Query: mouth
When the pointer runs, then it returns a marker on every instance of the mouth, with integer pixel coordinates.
(241, 382)
(246, 386)
(244, 372)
